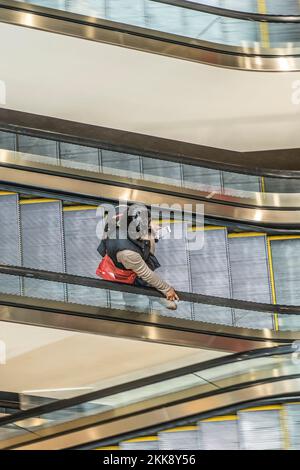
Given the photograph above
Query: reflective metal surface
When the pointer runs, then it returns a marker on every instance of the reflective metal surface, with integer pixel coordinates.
(18, 160)
(97, 192)
(124, 323)
(139, 416)
(244, 58)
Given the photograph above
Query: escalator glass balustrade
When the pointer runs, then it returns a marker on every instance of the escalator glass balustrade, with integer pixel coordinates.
(18, 149)
(245, 427)
(188, 23)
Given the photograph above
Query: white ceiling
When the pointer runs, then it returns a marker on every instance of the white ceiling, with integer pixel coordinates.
(41, 358)
(116, 87)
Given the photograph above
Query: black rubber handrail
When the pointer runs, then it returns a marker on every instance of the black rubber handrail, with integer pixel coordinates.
(225, 12)
(148, 292)
(198, 367)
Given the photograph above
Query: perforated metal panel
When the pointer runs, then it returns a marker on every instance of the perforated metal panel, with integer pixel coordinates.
(260, 430)
(210, 276)
(292, 425)
(10, 244)
(219, 435)
(161, 171)
(82, 258)
(77, 156)
(7, 140)
(250, 278)
(178, 440)
(173, 256)
(121, 164)
(42, 246)
(140, 445)
(286, 268)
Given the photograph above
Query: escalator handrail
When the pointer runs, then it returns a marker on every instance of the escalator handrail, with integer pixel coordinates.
(122, 388)
(229, 13)
(148, 292)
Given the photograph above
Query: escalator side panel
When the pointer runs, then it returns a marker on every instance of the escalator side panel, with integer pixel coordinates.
(250, 278)
(292, 424)
(178, 439)
(219, 434)
(173, 256)
(286, 268)
(82, 259)
(261, 429)
(42, 246)
(10, 250)
(210, 275)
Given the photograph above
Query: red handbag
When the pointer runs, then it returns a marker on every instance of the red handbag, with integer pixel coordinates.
(108, 270)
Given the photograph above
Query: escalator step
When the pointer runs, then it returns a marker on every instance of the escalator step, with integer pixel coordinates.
(184, 438)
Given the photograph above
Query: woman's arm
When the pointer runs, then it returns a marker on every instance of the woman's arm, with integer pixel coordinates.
(134, 261)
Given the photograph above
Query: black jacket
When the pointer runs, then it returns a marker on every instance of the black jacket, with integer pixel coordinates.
(111, 247)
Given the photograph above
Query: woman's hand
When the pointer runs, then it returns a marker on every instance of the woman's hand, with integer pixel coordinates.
(171, 295)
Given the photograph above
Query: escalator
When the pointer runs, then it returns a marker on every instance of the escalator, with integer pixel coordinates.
(216, 404)
(242, 283)
(252, 36)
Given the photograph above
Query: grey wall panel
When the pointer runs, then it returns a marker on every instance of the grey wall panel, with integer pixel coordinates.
(260, 430)
(77, 156)
(7, 140)
(42, 246)
(10, 252)
(250, 278)
(82, 258)
(219, 435)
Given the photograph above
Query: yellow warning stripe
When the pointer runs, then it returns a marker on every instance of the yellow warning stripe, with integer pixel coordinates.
(79, 208)
(220, 418)
(263, 26)
(284, 237)
(246, 234)
(182, 428)
(143, 439)
(284, 428)
(206, 228)
(37, 201)
(272, 279)
(108, 448)
(262, 408)
(263, 185)
(6, 193)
